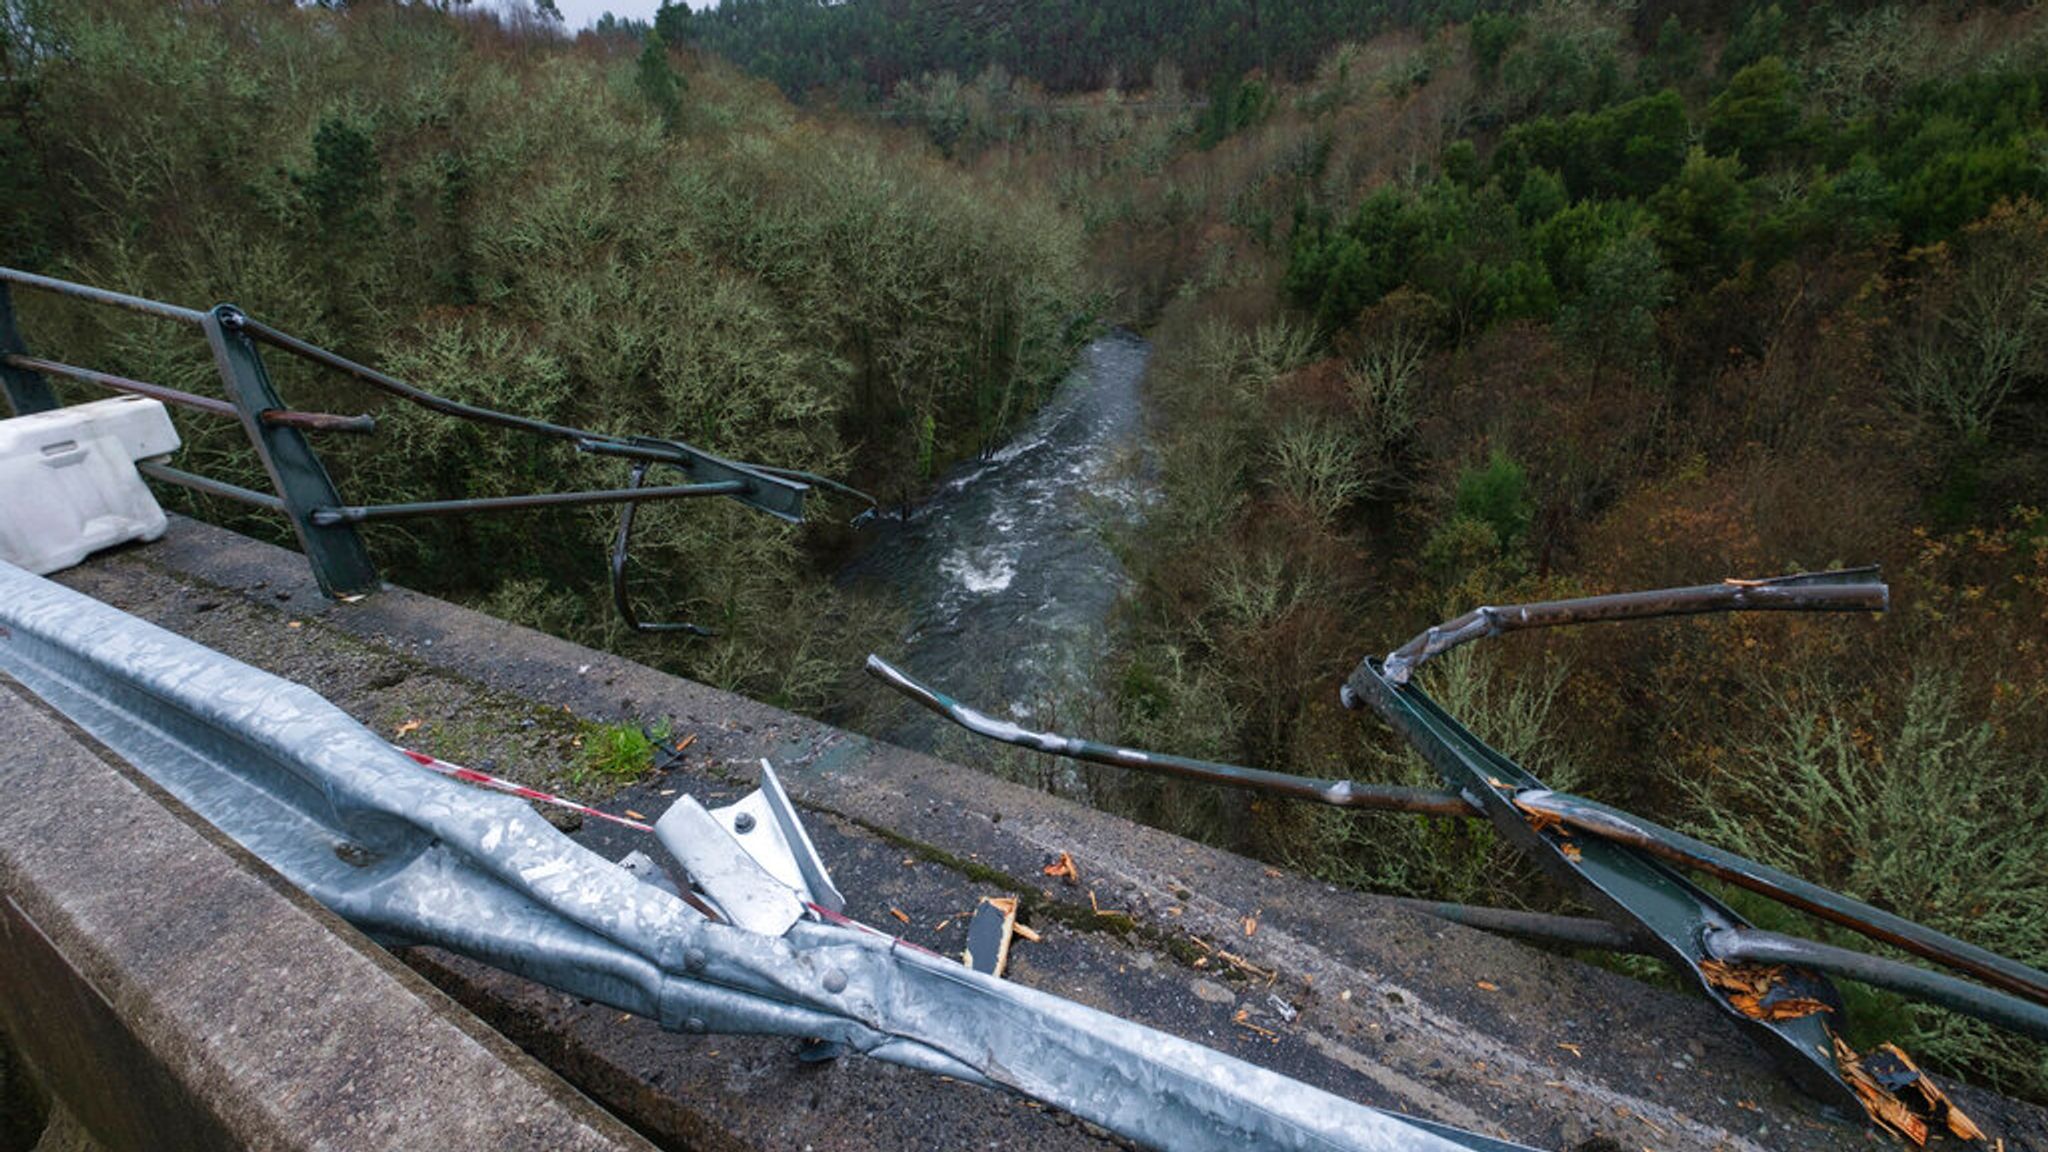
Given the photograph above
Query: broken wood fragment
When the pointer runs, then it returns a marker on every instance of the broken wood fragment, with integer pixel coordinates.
(989, 933)
(1064, 869)
(1899, 1096)
(1760, 991)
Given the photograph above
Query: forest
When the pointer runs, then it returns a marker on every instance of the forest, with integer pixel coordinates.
(1452, 304)
(606, 234)
(864, 50)
(1571, 297)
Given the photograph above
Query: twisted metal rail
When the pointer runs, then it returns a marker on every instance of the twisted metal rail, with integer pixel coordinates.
(413, 857)
(1627, 867)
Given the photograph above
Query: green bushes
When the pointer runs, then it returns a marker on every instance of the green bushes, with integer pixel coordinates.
(1495, 494)
(1757, 114)
(1917, 808)
(658, 83)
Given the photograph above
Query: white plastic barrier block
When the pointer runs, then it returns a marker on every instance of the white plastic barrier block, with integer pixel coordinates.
(68, 485)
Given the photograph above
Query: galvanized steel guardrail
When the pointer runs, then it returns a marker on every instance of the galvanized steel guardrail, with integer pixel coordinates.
(412, 857)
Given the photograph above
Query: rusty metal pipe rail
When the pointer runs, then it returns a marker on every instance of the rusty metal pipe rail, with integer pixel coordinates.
(1572, 812)
(1846, 590)
(208, 486)
(777, 491)
(361, 513)
(212, 405)
(285, 342)
(1649, 907)
(1750, 946)
(1723, 941)
(156, 308)
(325, 524)
(1597, 819)
(1754, 946)
(1337, 793)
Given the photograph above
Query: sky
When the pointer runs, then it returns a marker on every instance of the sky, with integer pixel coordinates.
(579, 14)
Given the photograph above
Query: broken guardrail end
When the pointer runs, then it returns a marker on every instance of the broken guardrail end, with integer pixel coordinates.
(1843, 590)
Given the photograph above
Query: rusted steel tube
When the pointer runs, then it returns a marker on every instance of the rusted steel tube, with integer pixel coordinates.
(1573, 931)
(318, 421)
(1848, 590)
(359, 513)
(209, 486)
(168, 395)
(1752, 946)
(1746, 945)
(155, 308)
(283, 417)
(1596, 819)
(257, 330)
(1338, 793)
(622, 543)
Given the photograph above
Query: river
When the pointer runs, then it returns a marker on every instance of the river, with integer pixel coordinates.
(1007, 571)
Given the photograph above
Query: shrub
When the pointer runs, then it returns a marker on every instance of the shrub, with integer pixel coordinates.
(1920, 812)
(1496, 494)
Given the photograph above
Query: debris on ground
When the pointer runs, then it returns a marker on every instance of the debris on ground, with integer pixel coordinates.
(989, 934)
(1099, 910)
(1761, 991)
(668, 755)
(1243, 1019)
(1899, 1095)
(1064, 869)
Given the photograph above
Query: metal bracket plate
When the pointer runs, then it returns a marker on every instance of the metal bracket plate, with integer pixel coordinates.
(1626, 886)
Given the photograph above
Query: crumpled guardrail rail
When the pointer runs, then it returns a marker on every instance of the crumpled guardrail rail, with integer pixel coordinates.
(412, 857)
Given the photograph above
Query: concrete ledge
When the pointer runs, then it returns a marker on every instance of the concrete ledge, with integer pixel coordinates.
(172, 993)
(1390, 1007)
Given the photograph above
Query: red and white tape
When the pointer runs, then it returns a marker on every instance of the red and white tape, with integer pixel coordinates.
(511, 788)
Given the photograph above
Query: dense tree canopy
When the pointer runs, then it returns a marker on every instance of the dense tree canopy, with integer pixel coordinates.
(870, 46)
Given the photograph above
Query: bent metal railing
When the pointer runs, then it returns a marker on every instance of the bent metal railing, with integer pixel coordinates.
(1633, 872)
(722, 946)
(302, 490)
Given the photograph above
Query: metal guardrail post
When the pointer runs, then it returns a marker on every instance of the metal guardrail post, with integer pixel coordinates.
(325, 527)
(26, 391)
(340, 561)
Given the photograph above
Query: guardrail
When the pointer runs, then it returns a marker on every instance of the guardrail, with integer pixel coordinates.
(303, 491)
(1631, 872)
(410, 856)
